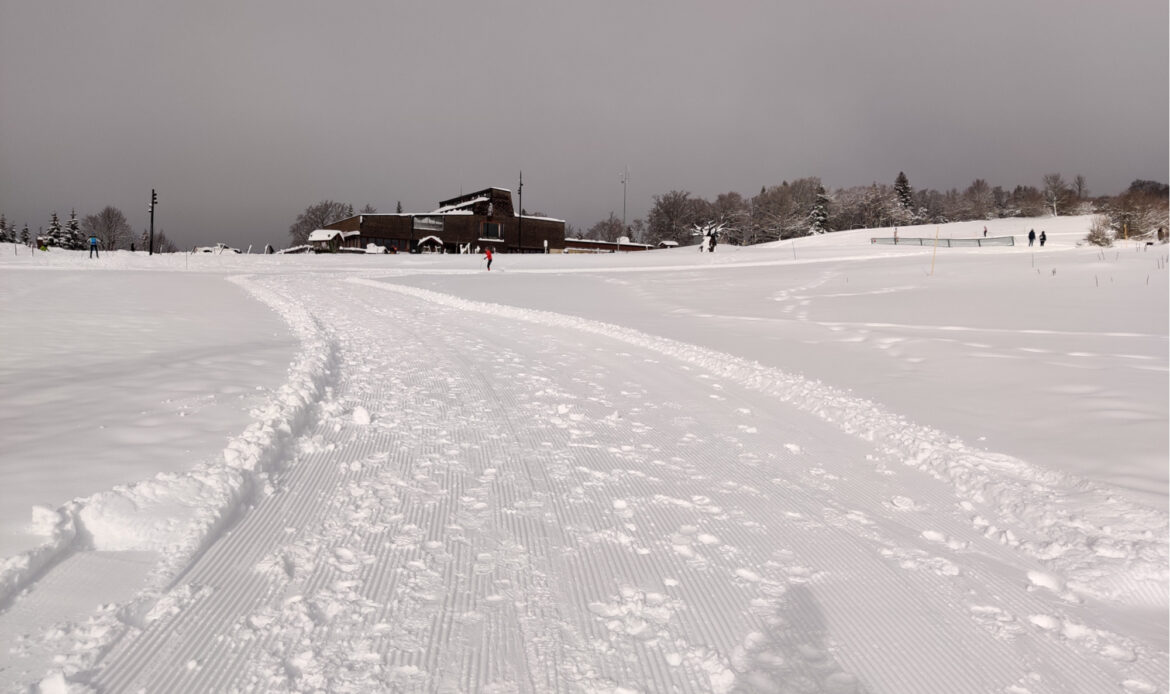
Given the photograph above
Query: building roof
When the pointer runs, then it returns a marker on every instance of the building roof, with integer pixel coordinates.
(329, 234)
(459, 206)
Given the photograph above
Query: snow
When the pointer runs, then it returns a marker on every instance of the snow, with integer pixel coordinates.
(819, 465)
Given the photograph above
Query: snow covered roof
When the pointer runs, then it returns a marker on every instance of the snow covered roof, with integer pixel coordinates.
(329, 234)
(323, 234)
(461, 205)
(429, 239)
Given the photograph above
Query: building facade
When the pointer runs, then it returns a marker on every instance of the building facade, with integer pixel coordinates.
(468, 223)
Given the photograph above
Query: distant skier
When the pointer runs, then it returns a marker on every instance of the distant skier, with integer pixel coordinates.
(984, 232)
(1031, 236)
(1043, 238)
(714, 240)
(93, 246)
(487, 254)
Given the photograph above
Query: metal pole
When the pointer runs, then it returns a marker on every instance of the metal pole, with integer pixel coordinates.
(625, 177)
(153, 198)
(520, 225)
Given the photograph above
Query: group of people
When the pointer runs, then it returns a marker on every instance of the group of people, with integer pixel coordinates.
(708, 242)
(1032, 237)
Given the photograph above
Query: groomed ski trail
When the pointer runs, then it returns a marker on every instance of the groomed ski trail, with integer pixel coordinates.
(492, 504)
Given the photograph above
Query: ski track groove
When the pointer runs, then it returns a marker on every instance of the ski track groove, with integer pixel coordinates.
(546, 521)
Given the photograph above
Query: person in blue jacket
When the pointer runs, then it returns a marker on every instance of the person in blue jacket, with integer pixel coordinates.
(93, 246)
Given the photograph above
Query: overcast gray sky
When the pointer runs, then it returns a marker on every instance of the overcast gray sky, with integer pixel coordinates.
(242, 114)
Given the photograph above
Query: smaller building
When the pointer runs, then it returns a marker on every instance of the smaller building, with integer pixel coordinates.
(332, 240)
(622, 245)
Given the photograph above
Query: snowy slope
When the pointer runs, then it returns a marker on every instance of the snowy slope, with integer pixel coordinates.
(747, 471)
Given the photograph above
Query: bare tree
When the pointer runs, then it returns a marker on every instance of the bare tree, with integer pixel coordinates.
(1056, 192)
(980, 200)
(109, 226)
(672, 216)
(316, 217)
(368, 209)
(607, 229)
(1081, 187)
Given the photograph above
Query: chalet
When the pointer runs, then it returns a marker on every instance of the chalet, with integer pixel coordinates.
(483, 219)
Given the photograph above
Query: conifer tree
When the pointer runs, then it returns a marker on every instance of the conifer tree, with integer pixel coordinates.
(903, 191)
(75, 238)
(56, 235)
(4, 230)
(24, 234)
(818, 218)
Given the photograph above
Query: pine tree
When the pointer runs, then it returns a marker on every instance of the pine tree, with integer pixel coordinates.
(903, 191)
(818, 218)
(56, 235)
(399, 208)
(24, 235)
(4, 230)
(73, 235)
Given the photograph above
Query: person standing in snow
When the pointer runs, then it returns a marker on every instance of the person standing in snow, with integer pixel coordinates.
(93, 246)
(984, 232)
(487, 254)
(1031, 236)
(714, 240)
(1043, 238)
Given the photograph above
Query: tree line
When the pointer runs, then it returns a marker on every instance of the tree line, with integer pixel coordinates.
(109, 226)
(804, 207)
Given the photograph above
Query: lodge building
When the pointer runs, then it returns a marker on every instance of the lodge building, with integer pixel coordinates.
(468, 223)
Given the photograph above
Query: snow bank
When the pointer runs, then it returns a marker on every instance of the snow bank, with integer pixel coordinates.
(180, 514)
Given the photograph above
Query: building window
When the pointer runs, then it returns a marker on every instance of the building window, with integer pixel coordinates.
(491, 230)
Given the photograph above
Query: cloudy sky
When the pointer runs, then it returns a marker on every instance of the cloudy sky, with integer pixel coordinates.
(242, 114)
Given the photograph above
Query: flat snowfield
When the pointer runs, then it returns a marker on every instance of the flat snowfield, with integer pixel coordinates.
(819, 465)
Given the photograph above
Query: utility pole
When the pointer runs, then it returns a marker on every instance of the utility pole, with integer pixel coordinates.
(153, 202)
(520, 226)
(625, 179)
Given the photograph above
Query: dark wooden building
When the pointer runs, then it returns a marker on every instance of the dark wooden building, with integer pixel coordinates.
(466, 224)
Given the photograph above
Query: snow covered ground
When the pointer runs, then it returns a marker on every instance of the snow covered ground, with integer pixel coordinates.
(812, 466)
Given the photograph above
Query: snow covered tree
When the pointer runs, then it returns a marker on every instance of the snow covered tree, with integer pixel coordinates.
(979, 200)
(818, 218)
(902, 210)
(4, 230)
(316, 217)
(1100, 233)
(56, 235)
(75, 239)
(110, 226)
(24, 235)
(903, 191)
(1056, 192)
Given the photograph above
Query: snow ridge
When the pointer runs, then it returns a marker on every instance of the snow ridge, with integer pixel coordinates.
(180, 515)
(1071, 526)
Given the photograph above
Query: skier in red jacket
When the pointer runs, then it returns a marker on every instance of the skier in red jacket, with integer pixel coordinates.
(487, 253)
